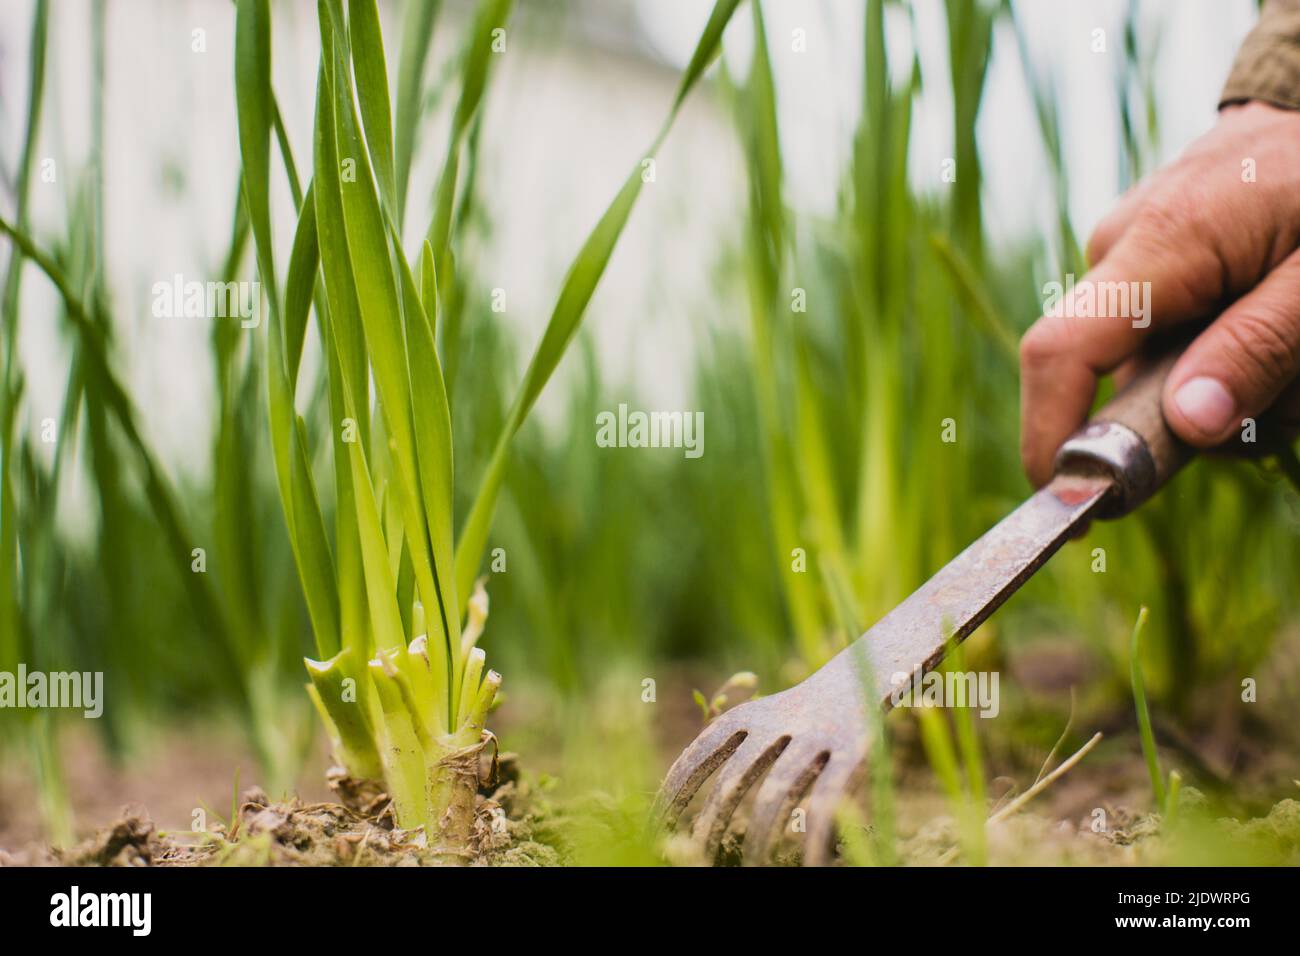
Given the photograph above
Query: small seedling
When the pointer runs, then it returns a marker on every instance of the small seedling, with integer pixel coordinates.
(1166, 796)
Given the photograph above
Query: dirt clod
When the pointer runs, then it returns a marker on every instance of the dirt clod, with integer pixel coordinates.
(129, 841)
(363, 796)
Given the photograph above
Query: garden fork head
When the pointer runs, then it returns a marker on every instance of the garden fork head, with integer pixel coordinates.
(812, 739)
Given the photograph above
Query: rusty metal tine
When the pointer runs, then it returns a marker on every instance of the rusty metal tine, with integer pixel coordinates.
(737, 775)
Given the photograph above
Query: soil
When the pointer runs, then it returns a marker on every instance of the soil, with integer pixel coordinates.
(356, 829)
(338, 822)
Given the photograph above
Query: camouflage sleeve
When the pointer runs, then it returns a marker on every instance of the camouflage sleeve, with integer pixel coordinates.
(1267, 66)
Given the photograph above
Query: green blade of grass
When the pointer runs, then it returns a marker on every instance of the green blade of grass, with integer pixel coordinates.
(297, 487)
(369, 65)
(343, 342)
(381, 584)
(286, 153)
(342, 332)
(348, 335)
(970, 43)
(316, 563)
(10, 389)
(347, 717)
(967, 737)
(976, 296)
(254, 110)
(300, 286)
(434, 450)
(939, 750)
(475, 60)
(579, 285)
(818, 484)
(1046, 99)
(429, 288)
(225, 335)
(417, 38)
(764, 141)
(402, 753)
(474, 71)
(345, 310)
(1143, 714)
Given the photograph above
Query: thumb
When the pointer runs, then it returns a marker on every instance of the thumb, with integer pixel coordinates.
(1241, 363)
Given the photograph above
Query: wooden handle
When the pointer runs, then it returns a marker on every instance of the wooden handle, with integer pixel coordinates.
(1129, 439)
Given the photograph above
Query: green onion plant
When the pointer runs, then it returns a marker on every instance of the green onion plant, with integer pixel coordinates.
(398, 678)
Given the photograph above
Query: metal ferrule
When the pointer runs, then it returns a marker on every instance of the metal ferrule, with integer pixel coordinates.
(1116, 450)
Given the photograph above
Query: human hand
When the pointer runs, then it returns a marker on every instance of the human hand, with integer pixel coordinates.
(1215, 232)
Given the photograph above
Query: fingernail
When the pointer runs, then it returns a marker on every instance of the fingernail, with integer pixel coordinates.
(1207, 404)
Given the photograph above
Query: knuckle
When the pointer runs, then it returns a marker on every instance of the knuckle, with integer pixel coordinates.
(1181, 216)
(1177, 234)
(1261, 347)
(1171, 213)
(1039, 345)
(1099, 241)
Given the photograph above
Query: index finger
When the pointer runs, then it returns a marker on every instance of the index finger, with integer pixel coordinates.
(1151, 278)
